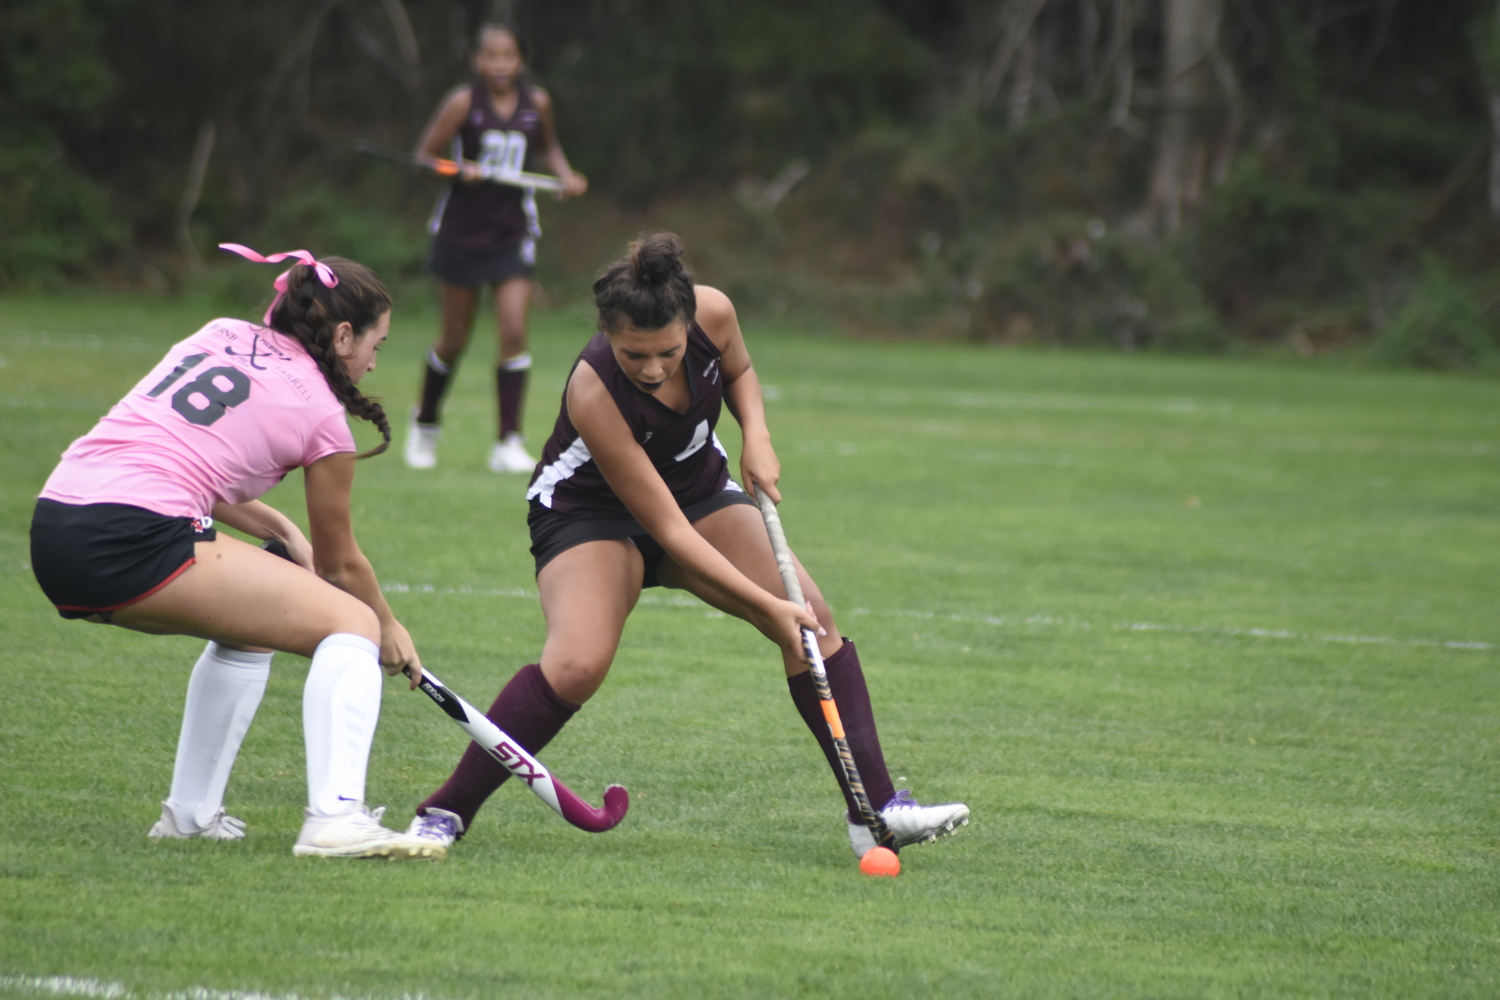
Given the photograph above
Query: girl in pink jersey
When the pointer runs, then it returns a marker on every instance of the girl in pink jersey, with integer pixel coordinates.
(485, 233)
(123, 534)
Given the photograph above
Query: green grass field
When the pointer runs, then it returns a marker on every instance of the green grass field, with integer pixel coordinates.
(1209, 647)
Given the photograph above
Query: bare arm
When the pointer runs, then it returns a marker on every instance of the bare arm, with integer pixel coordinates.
(449, 117)
(260, 520)
(636, 482)
(338, 559)
(758, 462)
(574, 183)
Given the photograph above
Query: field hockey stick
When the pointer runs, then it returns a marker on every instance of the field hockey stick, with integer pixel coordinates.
(510, 754)
(788, 570)
(451, 168)
(526, 767)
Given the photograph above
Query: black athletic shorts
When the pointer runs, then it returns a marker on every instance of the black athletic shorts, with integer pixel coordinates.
(470, 269)
(91, 559)
(553, 533)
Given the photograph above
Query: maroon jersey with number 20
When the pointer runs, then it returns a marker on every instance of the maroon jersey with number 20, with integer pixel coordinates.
(487, 217)
(682, 446)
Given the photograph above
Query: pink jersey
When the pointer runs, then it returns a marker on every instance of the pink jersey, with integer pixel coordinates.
(224, 416)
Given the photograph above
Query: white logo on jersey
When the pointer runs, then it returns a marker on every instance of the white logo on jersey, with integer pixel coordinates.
(713, 368)
(700, 438)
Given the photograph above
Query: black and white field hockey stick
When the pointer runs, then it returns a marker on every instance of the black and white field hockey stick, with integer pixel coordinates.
(510, 753)
(787, 567)
(450, 168)
(526, 767)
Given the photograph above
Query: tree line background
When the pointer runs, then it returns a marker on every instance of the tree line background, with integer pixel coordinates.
(1182, 174)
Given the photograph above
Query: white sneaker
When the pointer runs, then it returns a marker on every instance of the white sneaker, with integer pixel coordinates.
(221, 827)
(358, 834)
(439, 826)
(421, 444)
(510, 455)
(911, 822)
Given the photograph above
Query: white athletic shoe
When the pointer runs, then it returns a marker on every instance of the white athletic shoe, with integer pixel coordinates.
(911, 822)
(439, 826)
(221, 827)
(510, 455)
(358, 834)
(421, 444)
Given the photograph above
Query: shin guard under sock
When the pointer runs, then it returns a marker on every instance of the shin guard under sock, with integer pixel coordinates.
(340, 707)
(223, 693)
(531, 713)
(510, 387)
(847, 682)
(434, 386)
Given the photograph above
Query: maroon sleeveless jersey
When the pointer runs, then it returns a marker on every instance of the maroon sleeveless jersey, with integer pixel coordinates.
(682, 446)
(487, 217)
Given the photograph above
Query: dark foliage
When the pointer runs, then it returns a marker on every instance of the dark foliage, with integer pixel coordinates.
(984, 169)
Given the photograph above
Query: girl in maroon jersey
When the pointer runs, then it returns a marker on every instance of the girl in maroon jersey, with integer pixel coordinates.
(484, 233)
(633, 491)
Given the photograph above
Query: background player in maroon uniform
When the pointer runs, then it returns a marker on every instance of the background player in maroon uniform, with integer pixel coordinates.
(633, 490)
(485, 233)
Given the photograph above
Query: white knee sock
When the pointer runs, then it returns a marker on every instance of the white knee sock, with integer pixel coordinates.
(340, 706)
(222, 696)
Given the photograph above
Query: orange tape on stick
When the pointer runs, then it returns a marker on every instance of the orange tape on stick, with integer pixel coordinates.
(831, 713)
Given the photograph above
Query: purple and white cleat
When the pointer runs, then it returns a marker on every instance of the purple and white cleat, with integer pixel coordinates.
(911, 822)
(439, 826)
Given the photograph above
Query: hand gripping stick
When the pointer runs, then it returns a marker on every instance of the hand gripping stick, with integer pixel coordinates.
(788, 569)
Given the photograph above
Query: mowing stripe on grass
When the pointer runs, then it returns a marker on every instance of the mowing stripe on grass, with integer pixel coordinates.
(996, 400)
(65, 986)
(80, 986)
(673, 601)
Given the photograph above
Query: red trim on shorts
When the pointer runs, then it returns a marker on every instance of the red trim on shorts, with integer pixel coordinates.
(174, 575)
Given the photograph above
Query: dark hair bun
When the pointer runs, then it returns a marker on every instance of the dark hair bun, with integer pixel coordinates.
(647, 288)
(656, 259)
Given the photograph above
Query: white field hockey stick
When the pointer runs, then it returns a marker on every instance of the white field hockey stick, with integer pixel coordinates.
(510, 753)
(451, 168)
(788, 569)
(526, 767)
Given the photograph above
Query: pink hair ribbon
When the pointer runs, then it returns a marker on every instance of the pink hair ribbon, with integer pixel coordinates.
(324, 272)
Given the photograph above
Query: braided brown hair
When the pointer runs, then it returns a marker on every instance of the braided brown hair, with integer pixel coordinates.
(309, 312)
(648, 288)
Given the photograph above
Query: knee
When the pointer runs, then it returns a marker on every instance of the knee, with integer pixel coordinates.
(822, 612)
(512, 342)
(451, 344)
(357, 618)
(575, 678)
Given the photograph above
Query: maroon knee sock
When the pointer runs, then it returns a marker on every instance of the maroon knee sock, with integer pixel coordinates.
(847, 681)
(511, 386)
(531, 713)
(434, 385)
